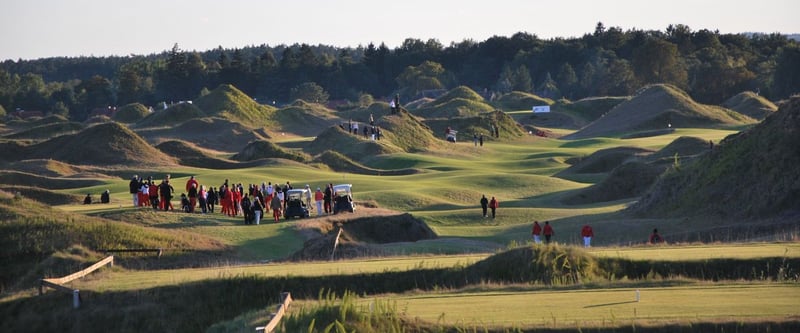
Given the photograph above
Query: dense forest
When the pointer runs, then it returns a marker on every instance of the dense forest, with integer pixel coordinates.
(708, 65)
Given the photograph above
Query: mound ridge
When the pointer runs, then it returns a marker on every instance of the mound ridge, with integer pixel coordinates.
(131, 113)
(213, 133)
(657, 107)
(173, 115)
(406, 131)
(480, 125)
(353, 146)
(604, 160)
(264, 149)
(227, 102)
(750, 104)
(306, 119)
(518, 100)
(341, 163)
(628, 180)
(47, 131)
(752, 174)
(103, 144)
(190, 155)
(458, 102)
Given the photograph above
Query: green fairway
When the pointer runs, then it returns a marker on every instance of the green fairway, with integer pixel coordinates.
(602, 307)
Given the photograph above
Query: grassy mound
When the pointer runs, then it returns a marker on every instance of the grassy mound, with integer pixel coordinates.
(173, 115)
(213, 133)
(751, 105)
(587, 110)
(458, 102)
(264, 149)
(657, 107)
(359, 234)
(103, 144)
(538, 264)
(517, 100)
(36, 121)
(457, 107)
(47, 131)
(131, 113)
(750, 174)
(306, 119)
(353, 146)
(683, 146)
(604, 160)
(44, 196)
(480, 125)
(190, 155)
(628, 180)
(407, 132)
(341, 163)
(230, 103)
(51, 168)
(29, 179)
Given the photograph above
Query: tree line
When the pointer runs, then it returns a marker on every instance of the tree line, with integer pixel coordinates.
(710, 66)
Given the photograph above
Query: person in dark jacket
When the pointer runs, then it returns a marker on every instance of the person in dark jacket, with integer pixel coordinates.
(484, 205)
(134, 186)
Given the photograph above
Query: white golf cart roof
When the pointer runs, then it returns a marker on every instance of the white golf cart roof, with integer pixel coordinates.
(342, 188)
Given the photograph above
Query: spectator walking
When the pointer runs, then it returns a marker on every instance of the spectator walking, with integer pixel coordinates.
(493, 204)
(547, 232)
(587, 233)
(277, 207)
(484, 205)
(536, 232)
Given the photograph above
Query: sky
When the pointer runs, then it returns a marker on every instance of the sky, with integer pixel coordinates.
(31, 29)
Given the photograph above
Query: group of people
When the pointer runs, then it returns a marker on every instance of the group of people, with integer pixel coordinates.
(537, 231)
(251, 202)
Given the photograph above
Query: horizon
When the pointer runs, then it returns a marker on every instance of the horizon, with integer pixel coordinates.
(96, 28)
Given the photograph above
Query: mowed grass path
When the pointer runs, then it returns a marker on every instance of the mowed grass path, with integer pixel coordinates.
(602, 307)
(133, 280)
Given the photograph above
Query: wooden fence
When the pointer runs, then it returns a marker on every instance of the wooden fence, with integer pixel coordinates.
(286, 299)
(58, 283)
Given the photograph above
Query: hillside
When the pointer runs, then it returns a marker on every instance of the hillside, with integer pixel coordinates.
(480, 124)
(106, 144)
(341, 163)
(190, 155)
(604, 160)
(751, 105)
(131, 113)
(752, 174)
(230, 103)
(657, 107)
(212, 133)
(264, 149)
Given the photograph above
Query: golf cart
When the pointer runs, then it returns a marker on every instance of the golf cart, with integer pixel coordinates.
(343, 198)
(295, 205)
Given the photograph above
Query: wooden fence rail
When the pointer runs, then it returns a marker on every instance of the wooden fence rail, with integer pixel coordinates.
(286, 299)
(58, 283)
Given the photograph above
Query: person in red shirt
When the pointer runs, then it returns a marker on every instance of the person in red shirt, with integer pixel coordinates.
(655, 238)
(493, 204)
(547, 232)
(536, 232)
(587, 234)
(318, 197)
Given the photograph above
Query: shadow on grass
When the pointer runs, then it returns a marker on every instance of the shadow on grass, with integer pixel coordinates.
(608, 304)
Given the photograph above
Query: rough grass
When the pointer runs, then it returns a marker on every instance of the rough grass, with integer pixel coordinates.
(341, 163)
(210, 132)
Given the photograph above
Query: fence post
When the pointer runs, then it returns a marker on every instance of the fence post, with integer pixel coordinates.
(336, 242)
